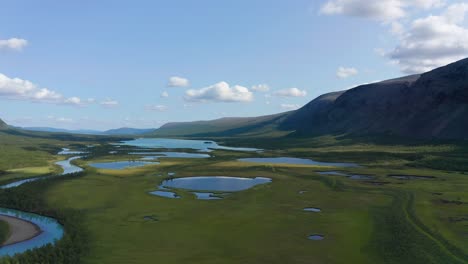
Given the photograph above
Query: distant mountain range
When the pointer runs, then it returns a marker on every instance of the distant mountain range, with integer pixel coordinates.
(433, 105)
(118, 131)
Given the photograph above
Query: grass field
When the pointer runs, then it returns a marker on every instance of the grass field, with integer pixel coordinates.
(385, 220)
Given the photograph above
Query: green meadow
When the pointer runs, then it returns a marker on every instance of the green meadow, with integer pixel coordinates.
(383, 220)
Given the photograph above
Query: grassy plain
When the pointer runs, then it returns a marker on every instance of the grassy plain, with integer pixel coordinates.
(384, 220)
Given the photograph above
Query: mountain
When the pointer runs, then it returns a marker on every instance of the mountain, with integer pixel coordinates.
(433, 105)
(61, 130)
(430, 105)
(128, 131)
(228, 126)
(3, 125)
(118, 131)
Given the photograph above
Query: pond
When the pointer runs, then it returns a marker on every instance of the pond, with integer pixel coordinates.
(51, 231)
(206, 196)
(204, 186)
(316, 237)
(214, 183)
(166, 194)
(121, 165)
(312, 209)
(200, 145)
(297, 161)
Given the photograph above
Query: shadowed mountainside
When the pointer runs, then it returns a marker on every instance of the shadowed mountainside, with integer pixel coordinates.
(431, 105)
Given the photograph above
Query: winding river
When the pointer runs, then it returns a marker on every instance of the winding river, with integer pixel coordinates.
(49, 229)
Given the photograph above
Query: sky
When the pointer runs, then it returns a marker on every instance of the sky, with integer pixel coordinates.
(107, 64)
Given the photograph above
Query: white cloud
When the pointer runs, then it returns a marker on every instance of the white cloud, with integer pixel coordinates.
(164, 94)
(13, 44)
(433, 41)
(261, 88)
(19, 89)
(159, 108)
(220, 92)
(73, 101)
(344, 72)
(290, 106)
(176, 81)
(291, 92)
(381, 10)
(109, 103)
(59, 119)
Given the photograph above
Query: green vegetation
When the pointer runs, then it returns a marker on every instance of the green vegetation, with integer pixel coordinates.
(384, 220)
(4, 231)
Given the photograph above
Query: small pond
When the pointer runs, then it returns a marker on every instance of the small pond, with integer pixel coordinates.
(312, 209)
(121, 165)
(201, 145)
(206, 196)
(166, 194)
(297, 161)
(51, 231)
(316, 237)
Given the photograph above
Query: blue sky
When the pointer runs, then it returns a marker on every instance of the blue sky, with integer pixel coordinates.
(107, 64)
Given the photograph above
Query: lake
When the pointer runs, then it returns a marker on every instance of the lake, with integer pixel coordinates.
(166, 143)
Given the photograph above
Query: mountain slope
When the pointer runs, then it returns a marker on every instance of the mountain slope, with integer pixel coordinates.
(431, 105)
(229, 126)
(3, 125)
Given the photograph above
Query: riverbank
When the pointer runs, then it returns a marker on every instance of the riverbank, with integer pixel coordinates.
(19, 230)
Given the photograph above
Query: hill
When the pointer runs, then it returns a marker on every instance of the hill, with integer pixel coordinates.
(229, 126)
(3, 125)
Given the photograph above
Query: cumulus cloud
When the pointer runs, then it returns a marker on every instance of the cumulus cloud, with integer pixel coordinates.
(220, 92)
(291, 92)
(176, 81)
(13, 44)
(382, 10)
(19, 89)
(290, 106)
(261, 88)
(164, 94)
(344, 72)
(433, 41)
(109, 103)
(158, 108)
